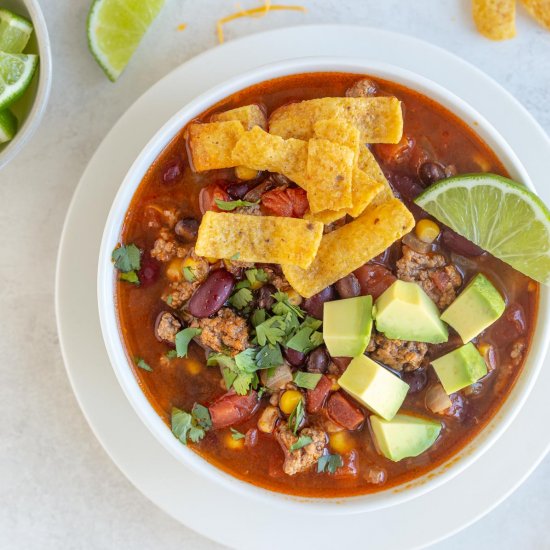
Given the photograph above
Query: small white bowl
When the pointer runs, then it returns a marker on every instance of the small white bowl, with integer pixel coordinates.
(124, 372)
(30, 108)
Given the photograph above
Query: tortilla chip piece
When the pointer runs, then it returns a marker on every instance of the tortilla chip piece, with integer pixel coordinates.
(378, 119)
(211, 144)
(540, 10)
(372, 169)
(248, 115)
(326, 217)
(351, 246)
(339, 131)
(262, 151)
(495, 19)
(329, 175)
(265, 239)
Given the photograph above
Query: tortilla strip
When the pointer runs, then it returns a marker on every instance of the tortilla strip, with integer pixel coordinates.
(248, 115)
(351, 246)
(378, 119)
(264, 239)
(540, 10)
(211, 144)
(370, 166)
(495, 19)
(339, 131)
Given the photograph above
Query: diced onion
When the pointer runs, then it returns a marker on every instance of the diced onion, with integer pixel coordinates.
(437, 400)
(280, 378)
(412, 241)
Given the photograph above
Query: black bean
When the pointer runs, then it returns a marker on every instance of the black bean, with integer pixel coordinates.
(430, 172)
(318, 360)
(295, 358)
(314, 305)
(187, 229)
(348, 287)
(212, 294)
(172, 172)
(416, 379)
(237, 190)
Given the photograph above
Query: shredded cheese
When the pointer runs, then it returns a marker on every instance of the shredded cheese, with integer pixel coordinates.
(254, 12)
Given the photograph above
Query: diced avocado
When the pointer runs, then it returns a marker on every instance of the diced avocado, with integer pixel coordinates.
(347, 325)
(381, 391)
(405, 312)
(404, 436)
(478, 306)
(460, 368)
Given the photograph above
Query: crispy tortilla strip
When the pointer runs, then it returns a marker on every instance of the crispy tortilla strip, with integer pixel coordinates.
(262, 151)
(495, 19)
(211, 144)
(268, 239)
(326, 217)
(248, 115)
(348, 248)
(339, 131)
(370, 166)
(540, 10)
(378, 119)
(329, 175)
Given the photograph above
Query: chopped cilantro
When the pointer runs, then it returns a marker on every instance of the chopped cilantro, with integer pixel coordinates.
(142, 364)
(242, 284)
(261, 392)
(329, 463)
(127, 258)
(303, 440)
(269, 356)
(307, 380)
(129, 277)
(256, 276)
(283, 306)
(296, 416)
(302, 340)
(241, 298)
(258, 317)
(227, 206)
(228, 377)
(235, 256)
(236, 435)
(186, 426)
(188, 274)
(245, 360)
(171, 354)
(169, 300)
(202, 415)
(183, 337)
(272, 330)
(244, 381)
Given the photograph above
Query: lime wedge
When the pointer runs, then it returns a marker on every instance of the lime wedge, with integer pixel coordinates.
(499, 215)
(8, 125)
(16, 72)
(115, 29)
(15, 32)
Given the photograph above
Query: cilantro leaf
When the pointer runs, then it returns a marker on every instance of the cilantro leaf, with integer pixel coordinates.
(171, 354)
(245, 361)
(307, 380)
(202, 415)
(303, 440)
(272, 330)
(185, 426)
(329, 462)
(242, 284)
(228, 377)
(188, 274)
(129, 277)
(241, 298)
(227, 206)
(258, 317)
(244, 381)
(296, 417)
(283, 306)
(183, 337)
(269, 356)
(235, 256)
(142, 364)
(255, 276)
(127, 258)
(300, 341)
(219, 359)
(236, 435)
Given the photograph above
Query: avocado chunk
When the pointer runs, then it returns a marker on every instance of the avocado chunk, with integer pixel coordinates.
(405, 312)
(347, 325)
(478, 306)
(381, 391)
(460, 368)
(405, 436)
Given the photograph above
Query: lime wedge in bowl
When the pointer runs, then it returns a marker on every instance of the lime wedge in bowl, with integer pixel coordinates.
(8, 125)
(15, 32)
(16, 72)
(497, 214)
(115, 29)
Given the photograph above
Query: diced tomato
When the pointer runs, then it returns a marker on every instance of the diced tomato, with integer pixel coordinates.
(394, 153)
(349, 467)
(343, 412)
(374, 279)
(231, 409)
(290, 202)
(208, 196)
(315, 398)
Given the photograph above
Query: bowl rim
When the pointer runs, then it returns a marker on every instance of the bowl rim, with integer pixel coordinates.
(117, 354)
(34, 116)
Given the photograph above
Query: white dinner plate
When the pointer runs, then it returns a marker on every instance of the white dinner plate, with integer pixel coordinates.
(190, 498)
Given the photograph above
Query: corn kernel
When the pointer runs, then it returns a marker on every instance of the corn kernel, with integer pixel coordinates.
(289, 401)
(293, 297)
(193, 366)
(256, 285)
(233, 444)
(427, 231)
(211, 260)
(245, 173)
(174, 271)
(341, 442)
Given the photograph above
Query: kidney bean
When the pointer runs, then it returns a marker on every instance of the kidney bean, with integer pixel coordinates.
(457, 243)
(149, 272)
(187, 229)
(318, 360)
(237, 190)
(265, 296)
(430, 172)
(314, 305)
(374, 279)
(416, 379)
(172, 172)
(406, 187)
(348, 286)
(231, 409)
(212, 294)
(294, 357)
(510, 326)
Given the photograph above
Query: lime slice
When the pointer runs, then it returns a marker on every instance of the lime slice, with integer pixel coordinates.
(498, 215)
(16, 72)
(8, 125)
(115, 29)
(15, 32)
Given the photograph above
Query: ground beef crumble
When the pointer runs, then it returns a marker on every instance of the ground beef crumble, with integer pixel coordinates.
(302, 459)
(167, 327)
(224, 333)
(167, 247)
(439, 279)
(397, 354)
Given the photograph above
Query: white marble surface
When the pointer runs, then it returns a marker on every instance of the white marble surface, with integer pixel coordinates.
(58, 488)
